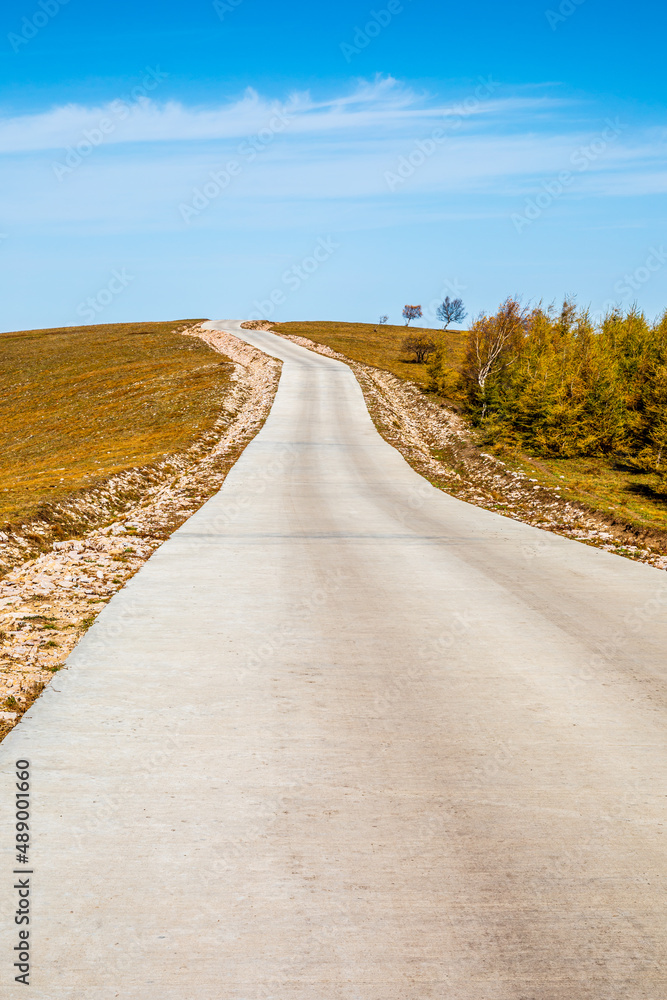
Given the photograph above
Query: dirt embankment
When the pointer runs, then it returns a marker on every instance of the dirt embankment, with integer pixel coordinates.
(56, 588)
(439, 445)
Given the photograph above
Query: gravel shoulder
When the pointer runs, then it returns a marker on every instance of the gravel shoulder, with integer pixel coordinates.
(49, 600)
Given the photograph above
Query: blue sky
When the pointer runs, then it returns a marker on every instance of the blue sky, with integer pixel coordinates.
(331, 161)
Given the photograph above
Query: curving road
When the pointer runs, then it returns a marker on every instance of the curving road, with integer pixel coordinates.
(345, 737)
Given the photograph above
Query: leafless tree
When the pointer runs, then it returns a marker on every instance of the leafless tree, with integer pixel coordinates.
(451, 311)
(420, 345)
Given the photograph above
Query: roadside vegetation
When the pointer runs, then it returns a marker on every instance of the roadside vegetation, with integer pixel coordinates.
(78, 405)
(582, 405)
(577, 408)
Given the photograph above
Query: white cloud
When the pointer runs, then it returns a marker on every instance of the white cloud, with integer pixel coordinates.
(329, 160)
(383, 104)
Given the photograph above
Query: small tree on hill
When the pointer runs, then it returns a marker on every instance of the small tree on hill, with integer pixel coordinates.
(451, 311)
(420, 345)
(410, 313)
(383, 320)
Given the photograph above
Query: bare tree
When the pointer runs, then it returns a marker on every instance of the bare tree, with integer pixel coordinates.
(383, 320)
(451, 311)
(492, 344)
(420, 345)
(410, 313)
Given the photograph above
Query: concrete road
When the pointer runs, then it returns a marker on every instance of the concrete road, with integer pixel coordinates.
(347, 738)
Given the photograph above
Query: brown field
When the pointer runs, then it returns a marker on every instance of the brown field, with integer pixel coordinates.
(80, 404)
(379, 346)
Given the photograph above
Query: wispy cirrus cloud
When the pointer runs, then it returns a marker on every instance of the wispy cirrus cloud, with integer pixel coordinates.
(314, 153)
(384, 104)
(235, 190)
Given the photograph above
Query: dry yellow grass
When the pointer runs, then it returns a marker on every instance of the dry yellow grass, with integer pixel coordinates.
(624, 495)
(375, 345)
(80, 404)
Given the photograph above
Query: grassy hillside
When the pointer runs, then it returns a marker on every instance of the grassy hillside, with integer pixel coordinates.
(601, 484)
(379, 346)
(79, 404)
(627, 495)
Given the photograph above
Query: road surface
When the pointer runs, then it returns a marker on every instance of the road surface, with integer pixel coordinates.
(345, 737)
